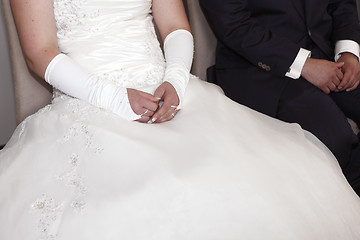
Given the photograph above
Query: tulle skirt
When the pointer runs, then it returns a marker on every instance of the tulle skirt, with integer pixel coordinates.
(218, 170)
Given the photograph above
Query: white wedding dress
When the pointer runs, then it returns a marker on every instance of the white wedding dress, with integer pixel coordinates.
(217, 171)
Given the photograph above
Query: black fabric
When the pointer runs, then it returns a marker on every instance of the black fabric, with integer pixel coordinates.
(258, 41)
(303, 103)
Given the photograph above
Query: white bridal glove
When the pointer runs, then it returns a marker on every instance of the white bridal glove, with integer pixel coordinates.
(66, 75)
(179, 51)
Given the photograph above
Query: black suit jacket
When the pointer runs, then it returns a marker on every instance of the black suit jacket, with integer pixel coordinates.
(258, 40)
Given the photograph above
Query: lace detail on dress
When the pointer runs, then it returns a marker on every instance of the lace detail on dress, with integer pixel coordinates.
(122, 77)
(73, 179)
(69, 14)
(80, 131)
(153, 49)
(49, 213)
(48, 209)
(79, 128)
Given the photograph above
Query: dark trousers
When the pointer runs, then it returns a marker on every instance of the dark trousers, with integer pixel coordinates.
(326, 117)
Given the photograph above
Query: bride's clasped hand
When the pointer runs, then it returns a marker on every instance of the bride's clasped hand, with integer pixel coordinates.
(157, 108)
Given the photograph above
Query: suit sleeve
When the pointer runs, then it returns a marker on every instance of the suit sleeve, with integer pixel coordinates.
(345, 20)
(233, 25)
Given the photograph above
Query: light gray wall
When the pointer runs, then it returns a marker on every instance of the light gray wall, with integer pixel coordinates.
(7, 106)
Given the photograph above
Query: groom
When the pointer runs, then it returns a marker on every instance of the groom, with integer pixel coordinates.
(295, 60)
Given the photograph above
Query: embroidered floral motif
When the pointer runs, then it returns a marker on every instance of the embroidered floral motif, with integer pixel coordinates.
(46, 207)
(81, 129)
(69, 15)
(78, 205)
(49, 213)
(73, 179)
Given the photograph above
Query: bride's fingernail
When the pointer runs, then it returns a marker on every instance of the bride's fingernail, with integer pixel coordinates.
(153, 120)
(157, 98)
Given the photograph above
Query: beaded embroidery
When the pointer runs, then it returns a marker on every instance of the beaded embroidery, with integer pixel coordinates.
(69, 15)
(49, 213)
(73, 179)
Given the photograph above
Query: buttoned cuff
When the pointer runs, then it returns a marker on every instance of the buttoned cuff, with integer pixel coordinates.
(342, 46)
(296, 67)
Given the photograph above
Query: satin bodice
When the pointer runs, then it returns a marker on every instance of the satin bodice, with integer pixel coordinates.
(114, 39)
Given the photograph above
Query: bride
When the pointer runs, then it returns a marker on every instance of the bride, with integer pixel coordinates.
(124, 152)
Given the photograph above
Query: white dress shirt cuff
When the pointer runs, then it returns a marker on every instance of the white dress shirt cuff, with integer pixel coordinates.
(342, 46)
(298, 64)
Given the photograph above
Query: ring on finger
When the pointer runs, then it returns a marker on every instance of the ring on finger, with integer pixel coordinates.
(173, 106)
(146, 111)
